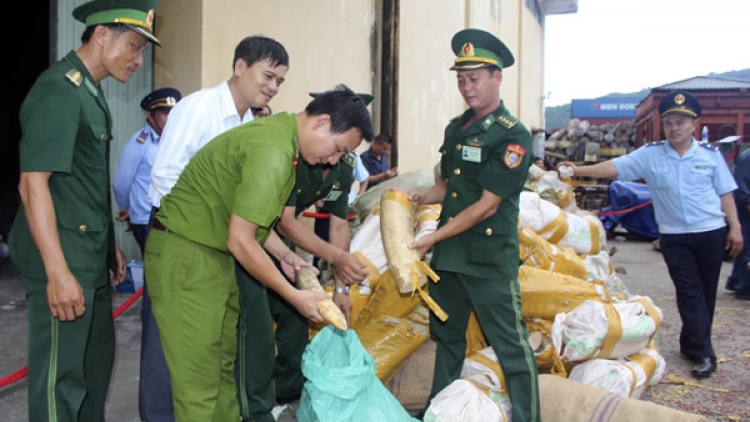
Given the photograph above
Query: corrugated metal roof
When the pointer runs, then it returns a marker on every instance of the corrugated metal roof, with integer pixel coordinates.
(698, 83)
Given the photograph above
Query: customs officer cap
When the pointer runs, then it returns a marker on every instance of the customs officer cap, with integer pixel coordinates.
(366, 98)
(137, 15)
(681, 102)
(475, 48)
(164, 98)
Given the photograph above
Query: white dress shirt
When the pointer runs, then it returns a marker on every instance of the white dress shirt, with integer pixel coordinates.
(193, 121)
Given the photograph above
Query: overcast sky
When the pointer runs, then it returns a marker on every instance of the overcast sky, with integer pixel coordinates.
(628, 45)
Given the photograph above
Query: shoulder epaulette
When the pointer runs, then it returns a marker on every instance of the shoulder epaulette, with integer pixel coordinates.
(708, 146)
(506, 121)
(74, 76)
(142, 136)
(454, 119)
(653, 144)
(348, 160)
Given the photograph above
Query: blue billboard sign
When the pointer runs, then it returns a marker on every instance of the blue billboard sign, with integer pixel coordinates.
(622, 107)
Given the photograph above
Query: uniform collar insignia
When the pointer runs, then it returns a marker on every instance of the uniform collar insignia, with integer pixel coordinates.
(487, 122)
(91, 87)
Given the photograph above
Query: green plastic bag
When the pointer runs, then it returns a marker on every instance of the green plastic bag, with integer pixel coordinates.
(341, 384)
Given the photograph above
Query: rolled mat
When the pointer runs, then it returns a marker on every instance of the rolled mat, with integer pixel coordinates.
(564, 400)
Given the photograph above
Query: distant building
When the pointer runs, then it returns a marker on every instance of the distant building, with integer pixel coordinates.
(725, 103)
(604, 110)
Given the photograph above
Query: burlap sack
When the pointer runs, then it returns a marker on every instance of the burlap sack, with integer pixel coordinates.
(412, 383)
(564, 400)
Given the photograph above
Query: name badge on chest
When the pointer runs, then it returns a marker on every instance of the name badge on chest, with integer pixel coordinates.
(473, 154)
(332, 196)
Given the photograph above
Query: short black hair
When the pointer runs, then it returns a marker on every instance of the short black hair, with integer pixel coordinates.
(347, 110)
(257, 48)
(383, 138)
(117, 28)
(538, 159)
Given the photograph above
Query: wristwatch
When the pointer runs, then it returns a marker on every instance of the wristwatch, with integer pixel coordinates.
(343, 290)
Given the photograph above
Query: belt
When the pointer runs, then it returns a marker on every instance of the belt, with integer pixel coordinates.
(157, 225)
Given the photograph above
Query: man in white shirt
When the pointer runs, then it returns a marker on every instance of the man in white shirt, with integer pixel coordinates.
(259, 68)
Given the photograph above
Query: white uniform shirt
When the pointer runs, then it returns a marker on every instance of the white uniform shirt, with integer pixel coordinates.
(193, 121)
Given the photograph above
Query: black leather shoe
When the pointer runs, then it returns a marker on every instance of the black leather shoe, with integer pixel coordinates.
(742, 296)
(704, 367)
(731, 284)
(691, 357)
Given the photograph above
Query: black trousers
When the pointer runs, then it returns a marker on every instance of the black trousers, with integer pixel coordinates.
(694, 262)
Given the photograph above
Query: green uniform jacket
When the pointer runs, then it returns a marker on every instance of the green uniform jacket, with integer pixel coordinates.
(248, 171)
(334, 190)
(493, 153)
(67, 130)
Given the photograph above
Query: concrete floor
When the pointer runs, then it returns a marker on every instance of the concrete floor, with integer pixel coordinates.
(645, 275)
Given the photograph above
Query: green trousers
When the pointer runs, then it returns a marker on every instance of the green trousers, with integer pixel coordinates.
(497, 304)
(69, 363)
(195, 302)
(261, 377)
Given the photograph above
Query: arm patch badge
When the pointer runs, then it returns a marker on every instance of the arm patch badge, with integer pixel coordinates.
(514, 155)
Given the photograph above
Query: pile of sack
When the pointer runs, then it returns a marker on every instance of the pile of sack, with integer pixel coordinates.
(585, 327)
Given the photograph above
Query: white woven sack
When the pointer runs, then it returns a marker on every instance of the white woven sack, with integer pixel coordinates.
(623, 377)
(463, 401)
(580, 334)
(369, 242)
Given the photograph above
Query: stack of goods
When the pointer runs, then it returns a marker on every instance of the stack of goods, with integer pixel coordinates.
(583, 323)
(581, 141)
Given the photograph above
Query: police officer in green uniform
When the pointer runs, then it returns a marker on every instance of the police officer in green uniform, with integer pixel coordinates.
(62, 240)
(223, 208)
(263, 380)
(486, 155)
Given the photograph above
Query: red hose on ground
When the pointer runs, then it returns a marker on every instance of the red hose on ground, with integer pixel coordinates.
(627, 210)
(23, 372)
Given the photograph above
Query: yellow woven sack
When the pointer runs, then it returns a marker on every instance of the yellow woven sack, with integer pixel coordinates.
(537, 252)
(545, 294)
(390, 341)
(385, 299)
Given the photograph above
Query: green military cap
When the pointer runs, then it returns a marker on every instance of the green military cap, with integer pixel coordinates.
(137, 15)
(475, 48)
(366, 98)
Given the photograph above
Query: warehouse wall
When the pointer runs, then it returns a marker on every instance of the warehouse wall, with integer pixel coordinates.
(338, 41)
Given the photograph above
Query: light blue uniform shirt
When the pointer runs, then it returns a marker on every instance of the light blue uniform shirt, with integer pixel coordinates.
(686, 189)
(133, 176)
(360, 175)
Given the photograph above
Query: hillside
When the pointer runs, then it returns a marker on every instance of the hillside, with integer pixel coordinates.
(558, 116)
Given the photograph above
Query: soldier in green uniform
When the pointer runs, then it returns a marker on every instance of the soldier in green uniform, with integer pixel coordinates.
(485, 157)
(261, 377)
(223, 208)
(62, 240)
